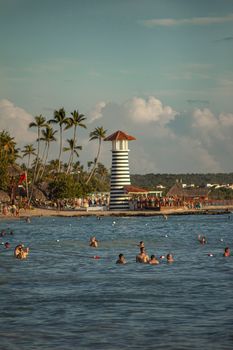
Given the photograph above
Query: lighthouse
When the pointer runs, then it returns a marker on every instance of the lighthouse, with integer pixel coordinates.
(120, 176)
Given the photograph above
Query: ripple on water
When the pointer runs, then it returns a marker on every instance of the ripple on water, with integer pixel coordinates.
(63, 298)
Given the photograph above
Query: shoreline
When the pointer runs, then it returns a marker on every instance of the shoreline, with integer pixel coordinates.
(39, 212)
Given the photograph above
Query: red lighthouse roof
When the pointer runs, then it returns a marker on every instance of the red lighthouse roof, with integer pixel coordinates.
(119, 136)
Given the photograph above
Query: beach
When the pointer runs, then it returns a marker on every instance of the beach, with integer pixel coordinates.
(46, 212)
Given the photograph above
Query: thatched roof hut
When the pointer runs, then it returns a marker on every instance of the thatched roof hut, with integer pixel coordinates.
(37, 194)
(4, 197)
(178, 191)
(14, 170)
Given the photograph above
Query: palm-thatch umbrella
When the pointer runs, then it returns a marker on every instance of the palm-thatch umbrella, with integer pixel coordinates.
(14, 170)
(4, 197)
(37, 194)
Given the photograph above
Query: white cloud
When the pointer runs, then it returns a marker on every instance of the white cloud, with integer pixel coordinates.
(226, 119)
(96, 112)
(204, 119)
(152, 110)
(15, 120)
(170, 22)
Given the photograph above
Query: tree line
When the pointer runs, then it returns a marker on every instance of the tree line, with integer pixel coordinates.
(151, 181)
(61, 179)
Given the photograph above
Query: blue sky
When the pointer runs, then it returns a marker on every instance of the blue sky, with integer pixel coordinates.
(161, 70)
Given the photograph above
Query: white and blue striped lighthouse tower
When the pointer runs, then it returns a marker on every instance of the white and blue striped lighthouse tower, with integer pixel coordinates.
(120, 176)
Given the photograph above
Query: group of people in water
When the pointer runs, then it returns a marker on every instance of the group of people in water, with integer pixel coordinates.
(203, 240)
(20, 251)
(144, 258)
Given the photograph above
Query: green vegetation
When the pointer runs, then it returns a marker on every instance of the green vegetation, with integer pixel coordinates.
(221, 193)
(150, 181)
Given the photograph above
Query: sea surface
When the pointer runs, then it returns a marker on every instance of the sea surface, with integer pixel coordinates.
(62, 297)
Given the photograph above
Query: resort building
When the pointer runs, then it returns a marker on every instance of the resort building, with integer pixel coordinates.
(120, 176)
(194, 195)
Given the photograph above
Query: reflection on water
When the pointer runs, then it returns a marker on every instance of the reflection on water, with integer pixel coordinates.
(63, 298)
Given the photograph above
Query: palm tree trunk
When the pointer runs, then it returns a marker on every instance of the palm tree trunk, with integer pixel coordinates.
(36, 165)
(69, 162)
(96, 161)
(29, 157)
(41, 166)
(45, 161)
(72, 158)
(59, 157)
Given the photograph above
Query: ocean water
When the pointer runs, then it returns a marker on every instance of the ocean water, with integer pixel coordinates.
(63, 298)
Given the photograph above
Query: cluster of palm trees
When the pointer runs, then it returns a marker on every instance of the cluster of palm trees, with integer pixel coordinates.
(46, 135)
(40, 168)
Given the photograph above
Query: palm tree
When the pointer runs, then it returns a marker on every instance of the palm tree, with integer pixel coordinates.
(59, 118)
(53, 165)
(75, 121)
(89, 164)
(97, 134)
(73, 150)
(7, 146)
(47, 137)
(39, 123)
(28, 151)
(102, 171)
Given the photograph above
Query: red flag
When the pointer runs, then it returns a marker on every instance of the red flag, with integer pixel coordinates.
(22, 178)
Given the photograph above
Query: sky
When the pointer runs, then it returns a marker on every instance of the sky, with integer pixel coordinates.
(160, 70)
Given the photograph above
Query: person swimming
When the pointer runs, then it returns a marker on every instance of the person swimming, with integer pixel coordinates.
(121, 259)
(227, 252)
(20, 252)
(3, 233)
(170, 258)
(93, 242)
(141, 244)
(202, 239)
(7, 245)
(142, 257)
(153, 260)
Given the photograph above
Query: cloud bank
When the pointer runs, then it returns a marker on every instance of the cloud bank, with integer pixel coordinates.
(15, 120)
(196, 21)
(197, 140)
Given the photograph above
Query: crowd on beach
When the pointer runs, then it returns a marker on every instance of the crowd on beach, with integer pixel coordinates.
(101, 202)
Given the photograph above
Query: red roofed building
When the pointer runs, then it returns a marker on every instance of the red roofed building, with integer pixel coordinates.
(120, 177)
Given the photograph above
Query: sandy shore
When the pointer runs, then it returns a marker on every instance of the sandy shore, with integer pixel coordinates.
(164, 211)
